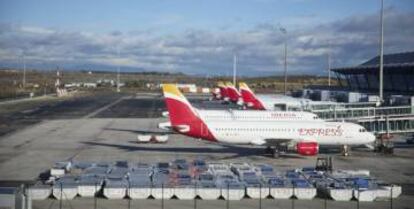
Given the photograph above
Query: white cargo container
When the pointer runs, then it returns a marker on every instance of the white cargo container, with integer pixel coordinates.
(89, 186)
(185, 192)
(65, 191)
(336, 194)
(281, 192)
(208, 193)
(166, 192)
(385, 192)
(232, 193)
(365, 195)
(304, 193)
(115, 189)
(39, 191)
(139, 192)
(257, 192)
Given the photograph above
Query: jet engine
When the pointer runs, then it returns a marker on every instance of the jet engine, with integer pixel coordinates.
(307, 148)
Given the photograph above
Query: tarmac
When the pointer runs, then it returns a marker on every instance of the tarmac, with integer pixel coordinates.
(106, 131)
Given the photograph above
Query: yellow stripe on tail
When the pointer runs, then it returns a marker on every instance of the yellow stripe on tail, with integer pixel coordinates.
(172, 89)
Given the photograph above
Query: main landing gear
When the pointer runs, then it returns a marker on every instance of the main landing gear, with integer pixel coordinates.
(275, 151)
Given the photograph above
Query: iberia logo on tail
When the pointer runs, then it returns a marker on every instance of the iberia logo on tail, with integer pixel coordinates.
(183, 117)
(249, 98)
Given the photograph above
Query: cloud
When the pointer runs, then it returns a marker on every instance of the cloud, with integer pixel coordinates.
(351, 41)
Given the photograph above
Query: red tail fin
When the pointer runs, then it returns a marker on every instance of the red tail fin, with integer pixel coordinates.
(233, 93)
(249, 98)
(184, 118)
(223, 90)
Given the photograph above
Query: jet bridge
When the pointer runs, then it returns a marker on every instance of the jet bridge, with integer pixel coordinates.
(379, 120)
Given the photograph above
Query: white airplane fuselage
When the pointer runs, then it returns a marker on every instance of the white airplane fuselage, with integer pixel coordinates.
(271, 102)
(324, 133)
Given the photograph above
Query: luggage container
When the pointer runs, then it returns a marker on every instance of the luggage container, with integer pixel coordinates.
(329, 186)
(117, 173)
(183, 185)
(207, 190)
(387, 193)
(279, 188)
(197, 167)
(141, 169)
(185, 192)
(340, 194)
(230, 187)
(89, 185)
(255, 189)
(60, 168)
(232, 190)
(219, 169)
(39, 191)
(162, 167)
(65, 188)
(139, 188)
(162, 189)
(115, 188)
(335, 190)
(302, 189)
(264, 170)
(365, 195)
(206, 187)
(242, 168)
(364, 189)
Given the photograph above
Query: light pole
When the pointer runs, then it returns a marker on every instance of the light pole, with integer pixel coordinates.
(117, 75)
(24, 72)
(234, 69)
(381, 67)
(283, 30)
(329, 64)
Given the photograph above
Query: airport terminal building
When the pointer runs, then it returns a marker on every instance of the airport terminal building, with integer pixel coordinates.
(398, 75)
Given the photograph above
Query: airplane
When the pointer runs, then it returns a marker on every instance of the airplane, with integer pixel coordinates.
(305, 136)
(245, 115)
(276, 102)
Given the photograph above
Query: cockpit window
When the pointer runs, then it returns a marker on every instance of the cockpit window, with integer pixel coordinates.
(362, 130)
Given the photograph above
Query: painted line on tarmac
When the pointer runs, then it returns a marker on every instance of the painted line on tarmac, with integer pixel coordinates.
(92, 114)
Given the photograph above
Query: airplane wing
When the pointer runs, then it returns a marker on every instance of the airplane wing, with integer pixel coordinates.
(276, 141)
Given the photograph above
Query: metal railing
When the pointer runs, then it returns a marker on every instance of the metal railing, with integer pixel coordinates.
(363, 112)
(395, 124)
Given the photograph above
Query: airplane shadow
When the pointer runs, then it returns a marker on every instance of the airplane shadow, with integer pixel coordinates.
(223, 149)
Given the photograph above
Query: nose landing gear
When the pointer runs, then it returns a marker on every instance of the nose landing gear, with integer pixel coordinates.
(345, 150)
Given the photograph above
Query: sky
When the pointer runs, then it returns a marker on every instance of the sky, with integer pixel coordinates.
(200, 37)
